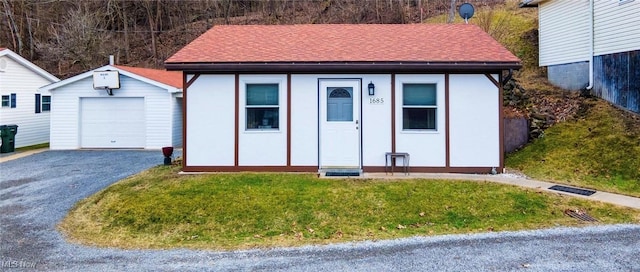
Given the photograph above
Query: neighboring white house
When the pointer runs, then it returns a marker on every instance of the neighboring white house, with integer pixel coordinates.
(145, 112)
(22, 103)
(592, 44)
(297, 98)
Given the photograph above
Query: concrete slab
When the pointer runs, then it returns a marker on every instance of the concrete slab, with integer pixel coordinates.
(19, 154)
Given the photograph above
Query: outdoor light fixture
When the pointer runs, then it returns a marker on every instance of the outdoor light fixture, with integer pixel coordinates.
(372, 88)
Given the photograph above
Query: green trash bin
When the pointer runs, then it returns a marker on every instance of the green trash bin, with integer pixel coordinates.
(8, 135)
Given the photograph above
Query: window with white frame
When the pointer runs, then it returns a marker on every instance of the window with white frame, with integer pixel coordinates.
(43, 103)
(9, 101)
(46, 103)
(419, 106)
(5, 101)
(262, 106)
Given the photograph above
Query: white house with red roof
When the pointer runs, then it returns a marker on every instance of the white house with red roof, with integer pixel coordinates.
(343, 99)
(144, 111)
(22, 103)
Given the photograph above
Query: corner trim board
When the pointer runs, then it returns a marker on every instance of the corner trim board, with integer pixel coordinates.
(236, 151)
(289, 119)
(447, 130)
(184, 119)
(501, 124)
(393, 112)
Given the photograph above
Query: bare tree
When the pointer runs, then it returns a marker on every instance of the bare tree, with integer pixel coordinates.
(81, 40)
(16, 36)
(452, 12)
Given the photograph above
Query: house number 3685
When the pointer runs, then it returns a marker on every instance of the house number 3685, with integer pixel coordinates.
(376, 100)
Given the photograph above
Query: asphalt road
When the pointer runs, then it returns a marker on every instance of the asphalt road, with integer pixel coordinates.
(37, 191)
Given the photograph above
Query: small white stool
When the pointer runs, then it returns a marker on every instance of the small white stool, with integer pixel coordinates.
(391, 156)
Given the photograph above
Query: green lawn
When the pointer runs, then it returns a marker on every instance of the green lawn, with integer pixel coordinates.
(599, 150)
(32, 147)
(160, 209)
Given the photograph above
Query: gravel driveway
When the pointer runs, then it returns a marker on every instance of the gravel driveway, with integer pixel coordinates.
(37, 191)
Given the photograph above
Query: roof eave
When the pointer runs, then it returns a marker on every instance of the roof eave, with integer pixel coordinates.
(530, 3)
(340, 67)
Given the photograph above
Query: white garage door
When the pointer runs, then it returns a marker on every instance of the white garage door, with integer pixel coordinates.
(112, 123)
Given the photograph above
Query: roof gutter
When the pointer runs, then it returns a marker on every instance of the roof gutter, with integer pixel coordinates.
(342, 67)
(529, 3)
(591, 45)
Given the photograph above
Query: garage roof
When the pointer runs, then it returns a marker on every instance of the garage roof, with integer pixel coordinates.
(170, 80)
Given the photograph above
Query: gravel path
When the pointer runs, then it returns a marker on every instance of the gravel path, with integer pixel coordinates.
(37, 191)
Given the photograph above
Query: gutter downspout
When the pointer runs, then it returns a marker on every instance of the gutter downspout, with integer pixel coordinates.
(591, 42)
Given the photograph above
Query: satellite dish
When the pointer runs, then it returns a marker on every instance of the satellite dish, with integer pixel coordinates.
(466, 12)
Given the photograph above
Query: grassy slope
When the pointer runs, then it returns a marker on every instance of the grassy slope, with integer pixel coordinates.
(160, 209)
(599, 150)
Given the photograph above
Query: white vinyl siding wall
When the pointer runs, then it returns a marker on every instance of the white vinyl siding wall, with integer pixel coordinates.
(210, 121)
(617, 28)
(177, 121)
(33, 128)
(263, 147)
(426, 147)
(304, 114)
(65, 122)
(564, 31)
(375, 120)
(474, 121)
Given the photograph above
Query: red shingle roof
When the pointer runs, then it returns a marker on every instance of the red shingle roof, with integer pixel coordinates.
(172, 78)
(448, 43)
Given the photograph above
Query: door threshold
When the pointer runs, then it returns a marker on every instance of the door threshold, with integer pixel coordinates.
(341, 172)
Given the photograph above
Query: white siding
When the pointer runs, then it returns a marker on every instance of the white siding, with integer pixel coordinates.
(210, 121)
(474, 121)
(157, 109)
(263, 147)
(66, 111)
(617, 27)
(474, 117)
(304, 120)
(376, 119)
(33, 128)
(176, 136)
(564, 31)
(426, 148)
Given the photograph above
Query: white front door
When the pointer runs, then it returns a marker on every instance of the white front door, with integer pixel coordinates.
(339, 123)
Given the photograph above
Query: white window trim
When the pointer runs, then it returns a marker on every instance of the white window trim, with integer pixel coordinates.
(42, 110)
(402, 107)
(8, 101)
(243, 99)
